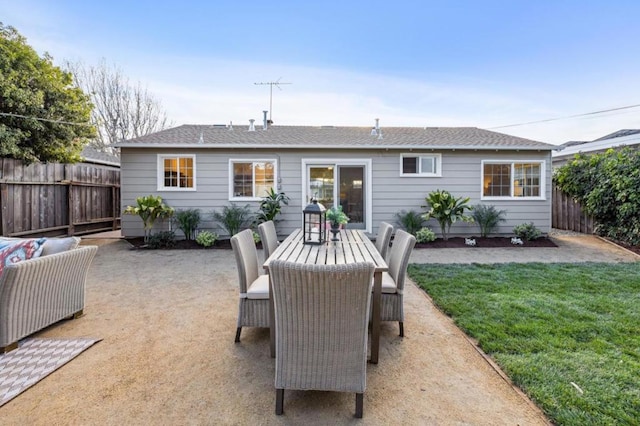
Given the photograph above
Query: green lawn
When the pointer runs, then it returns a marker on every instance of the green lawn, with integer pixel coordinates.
(566, 334)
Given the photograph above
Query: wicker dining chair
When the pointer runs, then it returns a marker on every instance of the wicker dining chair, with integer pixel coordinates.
(321, 317)
(392, 306)
(253, 309)
(382, 239)
(269, 238)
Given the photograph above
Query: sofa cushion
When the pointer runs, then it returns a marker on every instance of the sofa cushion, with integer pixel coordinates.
(19, 250)
(58, 245)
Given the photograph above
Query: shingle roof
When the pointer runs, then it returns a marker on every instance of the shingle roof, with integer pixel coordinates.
(92, 155)
(207, 136)
(619, 134)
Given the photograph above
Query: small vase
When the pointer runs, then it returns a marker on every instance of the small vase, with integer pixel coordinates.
(335, 230)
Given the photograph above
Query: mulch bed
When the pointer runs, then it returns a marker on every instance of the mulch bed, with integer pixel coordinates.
(455, 242)
(490, 242)
(224, 244)
(635, 249)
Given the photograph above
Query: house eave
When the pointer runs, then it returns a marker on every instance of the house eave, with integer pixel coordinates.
(334, 147)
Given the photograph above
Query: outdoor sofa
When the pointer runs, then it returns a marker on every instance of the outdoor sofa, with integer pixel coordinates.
(40, 291)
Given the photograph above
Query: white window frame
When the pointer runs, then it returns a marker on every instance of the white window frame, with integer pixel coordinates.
(232, 161)
(512, 163)
(437, 160)
(367, 163)
(160, 171)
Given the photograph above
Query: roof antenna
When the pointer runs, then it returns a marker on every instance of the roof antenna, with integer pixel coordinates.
(276, 83)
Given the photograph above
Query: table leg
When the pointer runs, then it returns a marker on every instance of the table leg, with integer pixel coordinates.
(272, 322)
(375, 314)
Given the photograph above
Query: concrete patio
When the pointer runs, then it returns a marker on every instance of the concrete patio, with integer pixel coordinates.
(167, 320)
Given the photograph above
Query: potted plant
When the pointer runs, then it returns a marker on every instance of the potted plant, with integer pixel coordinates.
(336, 217)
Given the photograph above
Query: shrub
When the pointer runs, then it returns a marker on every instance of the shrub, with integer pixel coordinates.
(487, 217)
(187, 221)
(149, 208)
(207, 238)
(606, 186)
(233, 218)
(411, 221)
(447, 210)
(271, 205)
(425, 235)
(527, 231)
(256, 237)
(162, 240)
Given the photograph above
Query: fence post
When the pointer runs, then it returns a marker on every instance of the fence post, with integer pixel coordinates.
(70, 209)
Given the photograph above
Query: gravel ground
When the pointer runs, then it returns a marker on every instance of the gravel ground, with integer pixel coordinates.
(167, 320)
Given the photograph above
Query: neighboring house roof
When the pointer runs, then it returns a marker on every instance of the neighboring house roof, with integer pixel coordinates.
(92, 155)
(619, 134)
(216, 136)
(626, 137)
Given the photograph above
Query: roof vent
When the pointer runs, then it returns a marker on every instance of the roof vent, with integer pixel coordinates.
(219, 126)
(252, 127)
(265, 122)
(375, 131)
(230, 125)
(201, 140)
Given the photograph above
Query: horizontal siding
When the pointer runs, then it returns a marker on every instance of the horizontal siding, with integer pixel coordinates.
(461, 175)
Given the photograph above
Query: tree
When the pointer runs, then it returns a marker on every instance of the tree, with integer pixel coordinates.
(122, 110)
(43, 116)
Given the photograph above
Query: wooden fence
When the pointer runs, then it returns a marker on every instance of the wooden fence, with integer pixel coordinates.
(567, 214)
(58, 199)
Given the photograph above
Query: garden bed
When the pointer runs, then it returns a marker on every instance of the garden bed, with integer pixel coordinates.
(489, 242)
(224, 244)
(455, 242)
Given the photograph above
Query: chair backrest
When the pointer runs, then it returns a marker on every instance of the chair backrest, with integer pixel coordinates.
(321, 318)
(269, 237)
(246, 254)
(382, 239)
(399, 255)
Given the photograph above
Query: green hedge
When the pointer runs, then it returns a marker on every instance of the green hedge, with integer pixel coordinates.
(607, 185)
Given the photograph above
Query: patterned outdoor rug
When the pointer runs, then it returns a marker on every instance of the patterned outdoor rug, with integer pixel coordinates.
(34, 360)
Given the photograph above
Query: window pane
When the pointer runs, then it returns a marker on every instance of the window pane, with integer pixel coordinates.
(497, 180)
(242, 180)
(527, 182)
(170, 172)
(186, 172)
(427, 165)
(409, 165)
(321, 184)
(263, 173)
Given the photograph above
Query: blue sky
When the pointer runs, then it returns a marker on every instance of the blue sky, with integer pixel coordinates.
(410, 63)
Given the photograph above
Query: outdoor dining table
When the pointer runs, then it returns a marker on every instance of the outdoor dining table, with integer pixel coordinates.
(352, 246)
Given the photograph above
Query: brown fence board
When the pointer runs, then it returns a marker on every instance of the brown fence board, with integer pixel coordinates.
(567, 214)
(57, 199)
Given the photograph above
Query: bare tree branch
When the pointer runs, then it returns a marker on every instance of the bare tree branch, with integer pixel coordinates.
(121, 110)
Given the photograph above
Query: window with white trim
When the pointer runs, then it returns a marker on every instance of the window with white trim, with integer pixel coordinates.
(176, 172)
(428, 165)
(251, 179)
(512, 179)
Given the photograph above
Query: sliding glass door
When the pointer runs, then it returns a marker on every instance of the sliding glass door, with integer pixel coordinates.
(340, 185)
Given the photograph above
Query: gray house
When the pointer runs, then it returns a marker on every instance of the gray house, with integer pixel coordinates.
(372, 172)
